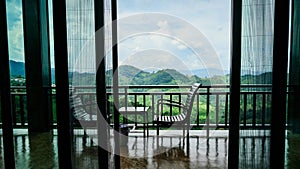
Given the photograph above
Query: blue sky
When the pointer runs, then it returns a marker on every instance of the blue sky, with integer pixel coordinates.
(183, 34)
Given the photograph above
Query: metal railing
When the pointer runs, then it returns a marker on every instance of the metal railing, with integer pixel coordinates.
(211, 105)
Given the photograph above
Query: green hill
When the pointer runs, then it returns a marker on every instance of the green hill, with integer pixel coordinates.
(129, 75)
(264, 78)
(17, 68)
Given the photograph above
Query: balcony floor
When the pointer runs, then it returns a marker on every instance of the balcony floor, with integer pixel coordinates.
(166, 151)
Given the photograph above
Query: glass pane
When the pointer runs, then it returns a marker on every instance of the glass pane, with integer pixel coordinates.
(17, 73)
(188, 40)
(256, 80)
(30, 150)
(82, 80)
(293, 130)
(165, 47)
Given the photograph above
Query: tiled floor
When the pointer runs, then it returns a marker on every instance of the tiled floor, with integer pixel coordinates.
(167, 151)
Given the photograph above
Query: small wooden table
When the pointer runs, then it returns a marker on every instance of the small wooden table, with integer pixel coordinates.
(143, 111)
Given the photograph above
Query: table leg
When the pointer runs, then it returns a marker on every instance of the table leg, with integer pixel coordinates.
(147, 124)
(144, 126)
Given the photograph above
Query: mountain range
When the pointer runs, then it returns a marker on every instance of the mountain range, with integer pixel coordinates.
(129, 75)
(18, 69)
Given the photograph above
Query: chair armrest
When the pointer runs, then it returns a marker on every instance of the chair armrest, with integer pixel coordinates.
(84, 105)
(170, 104)
(170, 101)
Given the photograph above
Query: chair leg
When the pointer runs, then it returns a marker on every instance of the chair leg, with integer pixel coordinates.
(188, 143)
(187, 139)
(84, 138)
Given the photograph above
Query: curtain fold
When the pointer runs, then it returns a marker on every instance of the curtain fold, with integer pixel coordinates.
(82, 77)
(256, 81)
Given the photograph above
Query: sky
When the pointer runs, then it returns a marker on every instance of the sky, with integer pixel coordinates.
(196, 33)
(15, 27)
(182, 34)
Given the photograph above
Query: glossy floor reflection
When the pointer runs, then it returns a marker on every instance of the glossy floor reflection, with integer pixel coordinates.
(37, 150)
(167, 151)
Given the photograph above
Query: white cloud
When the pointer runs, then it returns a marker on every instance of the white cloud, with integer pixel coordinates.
(155, 59)
(179, 45)
(210, 18)
(15, 30)
(163, 26)
(170, 33)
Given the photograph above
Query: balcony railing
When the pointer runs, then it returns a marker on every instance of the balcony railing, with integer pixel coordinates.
(210, 110)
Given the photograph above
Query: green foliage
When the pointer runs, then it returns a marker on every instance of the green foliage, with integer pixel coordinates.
(17, 81)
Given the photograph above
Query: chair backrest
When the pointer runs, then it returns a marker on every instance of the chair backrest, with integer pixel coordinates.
(76, 106)
(190, 100)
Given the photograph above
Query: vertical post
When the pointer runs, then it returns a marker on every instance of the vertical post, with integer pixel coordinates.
(115, 83)
(14, 106)
(263, 114)
(279, 84)
(64, 126)
(254, 111)
(102, 127)
(217, 110)
(7, 128)
(226, 110)
(245, 109)
(234, 107)
(207, 111)
(198, 108)
(37, 64)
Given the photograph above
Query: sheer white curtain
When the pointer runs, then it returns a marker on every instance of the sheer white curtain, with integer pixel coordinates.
(256, 69)
(257, 38)
(82, 71)
(81, 42)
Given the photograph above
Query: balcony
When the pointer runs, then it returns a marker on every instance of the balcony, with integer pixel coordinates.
(210, 110)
